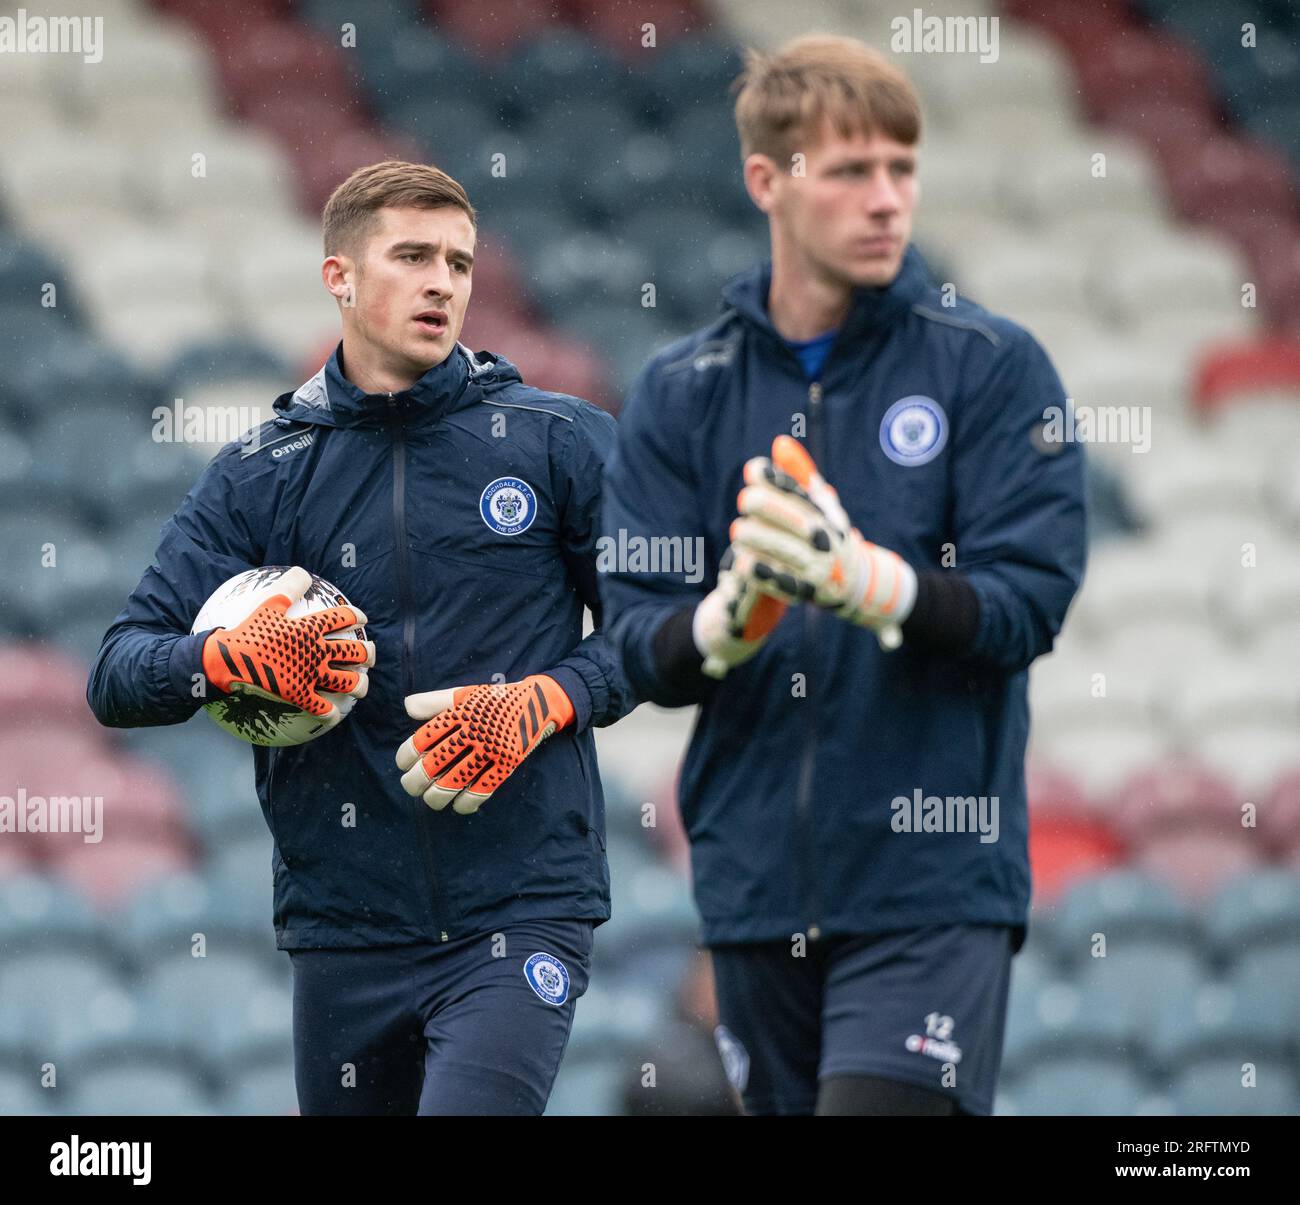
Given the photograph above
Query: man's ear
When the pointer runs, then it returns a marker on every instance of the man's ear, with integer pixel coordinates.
(760, 174)
(340, 274)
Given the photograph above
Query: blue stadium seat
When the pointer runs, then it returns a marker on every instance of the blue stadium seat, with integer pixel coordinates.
(1262, 906)
(233, 358)
(1080, 1085)
(693, 72)
(1219, 1020)
(1214, 1086)
(610, 1017)
(588, 1087)
(21, 1094)
(197, 1000)
(1271, 972)
(135, 1089)
(564, 67)
(164, 915)
(37, 912)
(256, 1028)
(58, 993)
(639, 174)
(1059, 1018)
(26, 269)
(593, 269)
(411, 62)
(623, 336)
(1137, 979)
(1125, 906)
(264, 1091)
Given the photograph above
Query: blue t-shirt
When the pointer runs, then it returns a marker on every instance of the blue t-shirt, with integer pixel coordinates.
(812, 353)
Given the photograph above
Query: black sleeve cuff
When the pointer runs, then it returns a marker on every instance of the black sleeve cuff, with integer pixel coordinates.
(677, 661)
(946, 614)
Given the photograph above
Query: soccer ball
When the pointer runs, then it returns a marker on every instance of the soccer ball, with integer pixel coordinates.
(252, 715)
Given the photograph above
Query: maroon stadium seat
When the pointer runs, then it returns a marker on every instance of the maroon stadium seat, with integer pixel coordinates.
(1227, 173)
(111, 872)
(1245, 370)
(493, 30)
(43, 685)
(1197, 863)
(1279, 814)
(1172, 796)
(1127, 67)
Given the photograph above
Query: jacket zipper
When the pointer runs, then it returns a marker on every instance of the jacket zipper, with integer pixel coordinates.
(408, 630)
(803, 804)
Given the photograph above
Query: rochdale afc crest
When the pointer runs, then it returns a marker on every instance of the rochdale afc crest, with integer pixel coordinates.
(735, 1058)
(508, 505)
(914, 430)
(548, 978)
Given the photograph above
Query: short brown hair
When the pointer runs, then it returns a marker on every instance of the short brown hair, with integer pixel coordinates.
(350, 214)
(784, 97)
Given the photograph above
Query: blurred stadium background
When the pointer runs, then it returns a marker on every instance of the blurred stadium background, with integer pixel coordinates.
(622, 168)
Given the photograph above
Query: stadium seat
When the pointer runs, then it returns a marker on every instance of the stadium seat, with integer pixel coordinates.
(264, 1090)
(196, 999)
(37, 912)
(1173, 796)
(1280, 821)
(1082, 1086)
(1214, 1086)
(1128, 908)
(21, 1094)
(587, 1087)
(142, 1089)
(1257, 909)
(1059, 1020)
(112, 871)
(1223, 170)
(163, 918)
(1268, 972)
(1137, 979)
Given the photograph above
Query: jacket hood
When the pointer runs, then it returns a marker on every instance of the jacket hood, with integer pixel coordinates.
(329, 399)
(870, 309)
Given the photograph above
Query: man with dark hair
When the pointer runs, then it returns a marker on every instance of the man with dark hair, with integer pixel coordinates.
(438, 952)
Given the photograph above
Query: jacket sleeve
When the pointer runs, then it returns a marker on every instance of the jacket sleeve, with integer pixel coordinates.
(592, 675)
(651, 494)
(1019, 519)
(144, 673)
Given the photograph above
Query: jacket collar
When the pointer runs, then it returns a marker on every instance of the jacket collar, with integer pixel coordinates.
(870, 309)
(330, 399)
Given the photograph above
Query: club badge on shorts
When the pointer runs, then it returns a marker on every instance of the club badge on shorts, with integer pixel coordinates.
(735, 1058)
(547, 977)
(508, 505)
(914, 430)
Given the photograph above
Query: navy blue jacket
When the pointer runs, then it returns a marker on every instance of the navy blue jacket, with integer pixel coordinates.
(799, 753)
(380, 494)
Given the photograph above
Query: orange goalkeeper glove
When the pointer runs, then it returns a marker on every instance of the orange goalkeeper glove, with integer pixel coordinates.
(805, 548)
(270, 655)
(476, 737)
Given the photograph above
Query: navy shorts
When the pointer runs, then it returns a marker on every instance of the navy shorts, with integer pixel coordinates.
(475, 1026)
(925, 1006)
